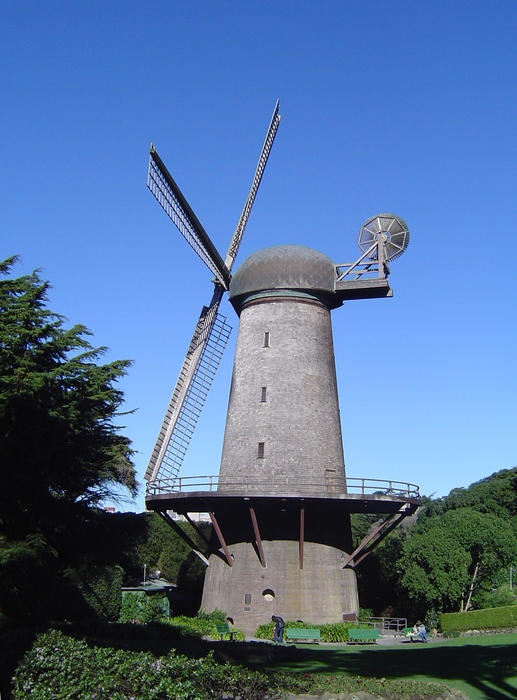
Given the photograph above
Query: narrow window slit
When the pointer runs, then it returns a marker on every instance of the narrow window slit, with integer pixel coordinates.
(260, 452)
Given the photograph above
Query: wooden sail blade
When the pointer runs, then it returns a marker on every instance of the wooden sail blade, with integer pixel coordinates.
(173, 202)
(233, 248)
(194, 381)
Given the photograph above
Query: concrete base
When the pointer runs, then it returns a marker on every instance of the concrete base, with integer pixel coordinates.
(320, 592)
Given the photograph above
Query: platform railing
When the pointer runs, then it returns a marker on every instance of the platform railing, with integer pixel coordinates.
(350, 485)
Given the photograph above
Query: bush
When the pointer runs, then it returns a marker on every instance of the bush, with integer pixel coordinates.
(502, 597)
(61, 666)
(100, 588)
(216, 616)
(203, 625)
(138, 606)
(489, 618)
(432, 620)
(330, 632)
(365, 614)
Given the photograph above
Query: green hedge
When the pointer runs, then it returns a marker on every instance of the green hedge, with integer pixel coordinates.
(59, 666)
(100, 587)
(330, 632)
(486, 619)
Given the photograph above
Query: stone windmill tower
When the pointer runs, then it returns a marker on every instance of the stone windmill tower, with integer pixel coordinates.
(281, 505)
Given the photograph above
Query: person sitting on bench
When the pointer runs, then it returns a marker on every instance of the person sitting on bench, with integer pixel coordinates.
(422, 632)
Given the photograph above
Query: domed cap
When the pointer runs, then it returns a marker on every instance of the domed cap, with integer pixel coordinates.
(284, 267)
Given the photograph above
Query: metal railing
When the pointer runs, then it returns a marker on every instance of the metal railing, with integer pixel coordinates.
(387, 625)
(350, 485)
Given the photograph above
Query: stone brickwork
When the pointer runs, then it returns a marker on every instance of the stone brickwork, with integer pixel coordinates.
(320, 592)
(284, 396)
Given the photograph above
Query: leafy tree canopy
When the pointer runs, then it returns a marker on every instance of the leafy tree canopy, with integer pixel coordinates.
(448, 557)
(57, 406)
(496, 494)
(60, 449)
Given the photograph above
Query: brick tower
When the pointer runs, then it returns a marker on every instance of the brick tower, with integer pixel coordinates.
(283, 438)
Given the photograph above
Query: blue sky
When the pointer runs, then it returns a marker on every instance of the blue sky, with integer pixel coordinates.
(398, 106)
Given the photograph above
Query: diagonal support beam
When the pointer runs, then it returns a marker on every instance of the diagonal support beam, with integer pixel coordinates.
(178, 530)
(302, 535)
(258, 539)
(220, 537)
(196, 528)
(377, 535)
(396, 521)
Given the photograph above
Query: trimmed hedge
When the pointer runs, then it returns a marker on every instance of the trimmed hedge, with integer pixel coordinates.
(330, 632)
(486, 619)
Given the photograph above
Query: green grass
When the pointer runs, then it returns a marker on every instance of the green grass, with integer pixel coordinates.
(485, 668)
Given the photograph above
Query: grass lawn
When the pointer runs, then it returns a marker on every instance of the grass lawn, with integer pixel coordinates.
(483, 667)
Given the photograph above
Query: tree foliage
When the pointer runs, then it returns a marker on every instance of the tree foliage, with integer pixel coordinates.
(60, 449)
(496, 494)
(57, 406)
(424, 566)
(453, 555)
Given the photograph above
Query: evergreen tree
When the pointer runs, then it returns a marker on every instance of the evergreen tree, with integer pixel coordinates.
(60, 451)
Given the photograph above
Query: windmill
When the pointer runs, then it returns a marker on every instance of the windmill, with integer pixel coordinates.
(280, 506)
(211, 332)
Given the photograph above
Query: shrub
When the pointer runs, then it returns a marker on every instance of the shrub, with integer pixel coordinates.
(203, 625)
(432, 620)
(138, 606)
(488, 618)
(100, 588)
(365, 613)
(499, 598)
(61, 666)
(216, 616)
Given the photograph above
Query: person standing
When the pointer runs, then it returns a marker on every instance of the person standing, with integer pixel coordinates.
(278, 630)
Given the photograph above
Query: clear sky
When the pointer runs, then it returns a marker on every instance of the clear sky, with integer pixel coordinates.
(399, 106)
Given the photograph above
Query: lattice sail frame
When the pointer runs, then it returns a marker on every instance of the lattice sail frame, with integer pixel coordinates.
(243, 219)
(169, 196)
(206, 350)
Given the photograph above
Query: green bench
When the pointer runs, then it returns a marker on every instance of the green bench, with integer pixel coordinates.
(223, 629)
(302, 634)
(409, 632)
(363, 636)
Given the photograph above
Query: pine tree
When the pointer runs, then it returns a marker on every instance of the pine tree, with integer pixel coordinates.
(60, 450)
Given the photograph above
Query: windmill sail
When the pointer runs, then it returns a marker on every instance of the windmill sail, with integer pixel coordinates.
(194, 381)
(212, 332)
(243, 219)
(172, 201)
